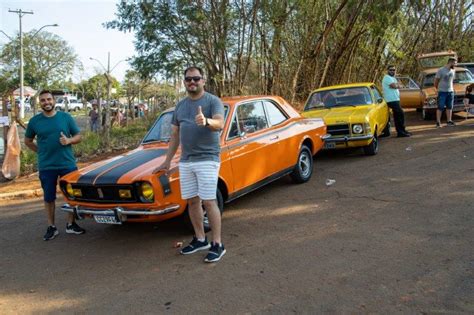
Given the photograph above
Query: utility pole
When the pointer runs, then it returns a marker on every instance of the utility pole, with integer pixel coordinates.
(21, 13)
(107, 106)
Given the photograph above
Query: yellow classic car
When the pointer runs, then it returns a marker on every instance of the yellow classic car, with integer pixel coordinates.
(356, 115)
(424, 99)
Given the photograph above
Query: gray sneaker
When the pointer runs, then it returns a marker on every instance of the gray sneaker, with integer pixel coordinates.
(450, 123)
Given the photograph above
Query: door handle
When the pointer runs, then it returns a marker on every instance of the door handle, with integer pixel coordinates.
(274, 138)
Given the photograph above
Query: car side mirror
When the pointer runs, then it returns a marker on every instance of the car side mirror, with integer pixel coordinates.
(380, 100)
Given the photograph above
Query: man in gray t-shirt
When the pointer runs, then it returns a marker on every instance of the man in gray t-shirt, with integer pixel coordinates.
(196, 125)
(444, 84)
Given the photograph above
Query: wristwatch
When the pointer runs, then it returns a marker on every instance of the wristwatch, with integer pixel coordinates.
(207, 123)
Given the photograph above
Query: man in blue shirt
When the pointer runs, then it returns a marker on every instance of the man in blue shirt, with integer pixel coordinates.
(55, 132)
(392, 97)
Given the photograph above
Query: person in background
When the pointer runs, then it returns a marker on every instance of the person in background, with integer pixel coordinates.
(443, 83)
(94, 118)
(391, 94)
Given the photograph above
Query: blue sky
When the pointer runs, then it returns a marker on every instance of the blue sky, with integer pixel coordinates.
(80, 24)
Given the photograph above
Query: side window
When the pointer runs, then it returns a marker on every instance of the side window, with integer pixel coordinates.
(251, 117)
(377, 94)
(274, 114)
(234, 128)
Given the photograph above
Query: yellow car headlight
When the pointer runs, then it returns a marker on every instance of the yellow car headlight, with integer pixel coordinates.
(146, 191)
(69, 190)
(357, 128)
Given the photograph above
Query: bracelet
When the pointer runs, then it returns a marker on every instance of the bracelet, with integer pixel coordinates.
(207, 122)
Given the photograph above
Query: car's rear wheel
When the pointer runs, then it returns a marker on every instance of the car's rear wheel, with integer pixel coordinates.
(373, 147)
(304, 166)
(207, 225)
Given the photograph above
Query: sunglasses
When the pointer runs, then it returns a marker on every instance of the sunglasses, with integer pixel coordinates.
(391, 70)
(195, 79)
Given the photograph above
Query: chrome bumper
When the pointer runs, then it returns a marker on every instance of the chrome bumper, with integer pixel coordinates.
(119, 212)
(348, 138)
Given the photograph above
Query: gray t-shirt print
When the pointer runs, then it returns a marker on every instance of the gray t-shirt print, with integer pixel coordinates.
(446, 78)
(198, 143)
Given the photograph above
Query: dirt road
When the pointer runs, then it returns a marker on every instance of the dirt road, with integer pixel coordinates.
(393, 234)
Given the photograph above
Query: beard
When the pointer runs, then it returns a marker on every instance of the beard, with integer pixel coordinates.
(47, 108)
(192, 90)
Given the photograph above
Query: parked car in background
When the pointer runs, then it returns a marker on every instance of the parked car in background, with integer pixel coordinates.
(263, 139)
(423, 95)
(467, 65)
(356, 115)
(73, 104)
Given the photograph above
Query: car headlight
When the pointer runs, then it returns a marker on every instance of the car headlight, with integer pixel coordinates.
(357, 128)
(146, 191)
(73, 192)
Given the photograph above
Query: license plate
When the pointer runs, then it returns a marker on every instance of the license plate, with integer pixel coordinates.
(329, 145)
(106, 219)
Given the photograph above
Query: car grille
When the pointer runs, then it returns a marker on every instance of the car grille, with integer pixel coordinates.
(339, 130)
(105, 194)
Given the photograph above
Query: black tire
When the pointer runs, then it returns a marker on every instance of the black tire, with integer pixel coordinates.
(373, 147)
(386, 130)
(207, 226)
(427, 115)
(304, 166)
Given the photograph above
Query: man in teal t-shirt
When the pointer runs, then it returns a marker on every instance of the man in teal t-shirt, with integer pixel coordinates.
(55, 132)
(392, 97)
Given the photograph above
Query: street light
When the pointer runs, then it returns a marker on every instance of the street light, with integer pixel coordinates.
(21, 13)
(109, 83)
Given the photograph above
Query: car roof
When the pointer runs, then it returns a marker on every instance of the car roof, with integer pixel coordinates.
(345, 86)
(434, 70)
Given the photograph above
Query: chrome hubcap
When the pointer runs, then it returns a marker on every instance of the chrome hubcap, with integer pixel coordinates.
(305, 164)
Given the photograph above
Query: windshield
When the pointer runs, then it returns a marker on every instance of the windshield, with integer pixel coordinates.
(340, 97)
(161, 130)
(461, 77)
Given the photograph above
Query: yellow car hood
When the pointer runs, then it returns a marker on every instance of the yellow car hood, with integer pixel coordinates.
(341, 115)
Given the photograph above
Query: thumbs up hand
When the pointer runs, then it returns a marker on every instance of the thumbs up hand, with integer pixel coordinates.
(200, 119)
(63, 139)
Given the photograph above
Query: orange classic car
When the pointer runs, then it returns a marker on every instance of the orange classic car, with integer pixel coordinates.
(263, 139)
(424, 99)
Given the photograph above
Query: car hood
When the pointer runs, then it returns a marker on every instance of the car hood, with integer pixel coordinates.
(459, 89)
(123, 169)
(341, 115)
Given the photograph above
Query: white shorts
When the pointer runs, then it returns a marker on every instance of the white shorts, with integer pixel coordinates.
(199, 179)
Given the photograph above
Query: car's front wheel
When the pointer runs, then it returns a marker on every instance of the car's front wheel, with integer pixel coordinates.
(206, 223)
(304, 166)
(373, 147)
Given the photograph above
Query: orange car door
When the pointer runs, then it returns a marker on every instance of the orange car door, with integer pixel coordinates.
(410, 93)
(248, 145)
(283, 139)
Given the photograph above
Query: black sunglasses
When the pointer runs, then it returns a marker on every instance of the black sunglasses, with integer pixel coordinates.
(195, 79)
(391, 69)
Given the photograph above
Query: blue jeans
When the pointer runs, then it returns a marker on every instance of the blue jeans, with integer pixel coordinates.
(445, 100)
(49, 181)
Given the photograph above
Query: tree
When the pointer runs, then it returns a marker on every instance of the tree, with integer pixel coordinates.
(48, 59)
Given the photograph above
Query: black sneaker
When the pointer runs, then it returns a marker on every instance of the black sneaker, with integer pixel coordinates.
(450, 123)
(195, 246)
(51, 233)
(73, 228)
(215, 253)
(403, 135)
(438, 125)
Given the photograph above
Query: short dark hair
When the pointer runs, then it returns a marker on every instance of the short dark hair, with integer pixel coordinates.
(390, 66)
(452, 59)
(194, 68)
(45, 92)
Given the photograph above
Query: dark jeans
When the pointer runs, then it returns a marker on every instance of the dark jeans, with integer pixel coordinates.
(398, 116)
